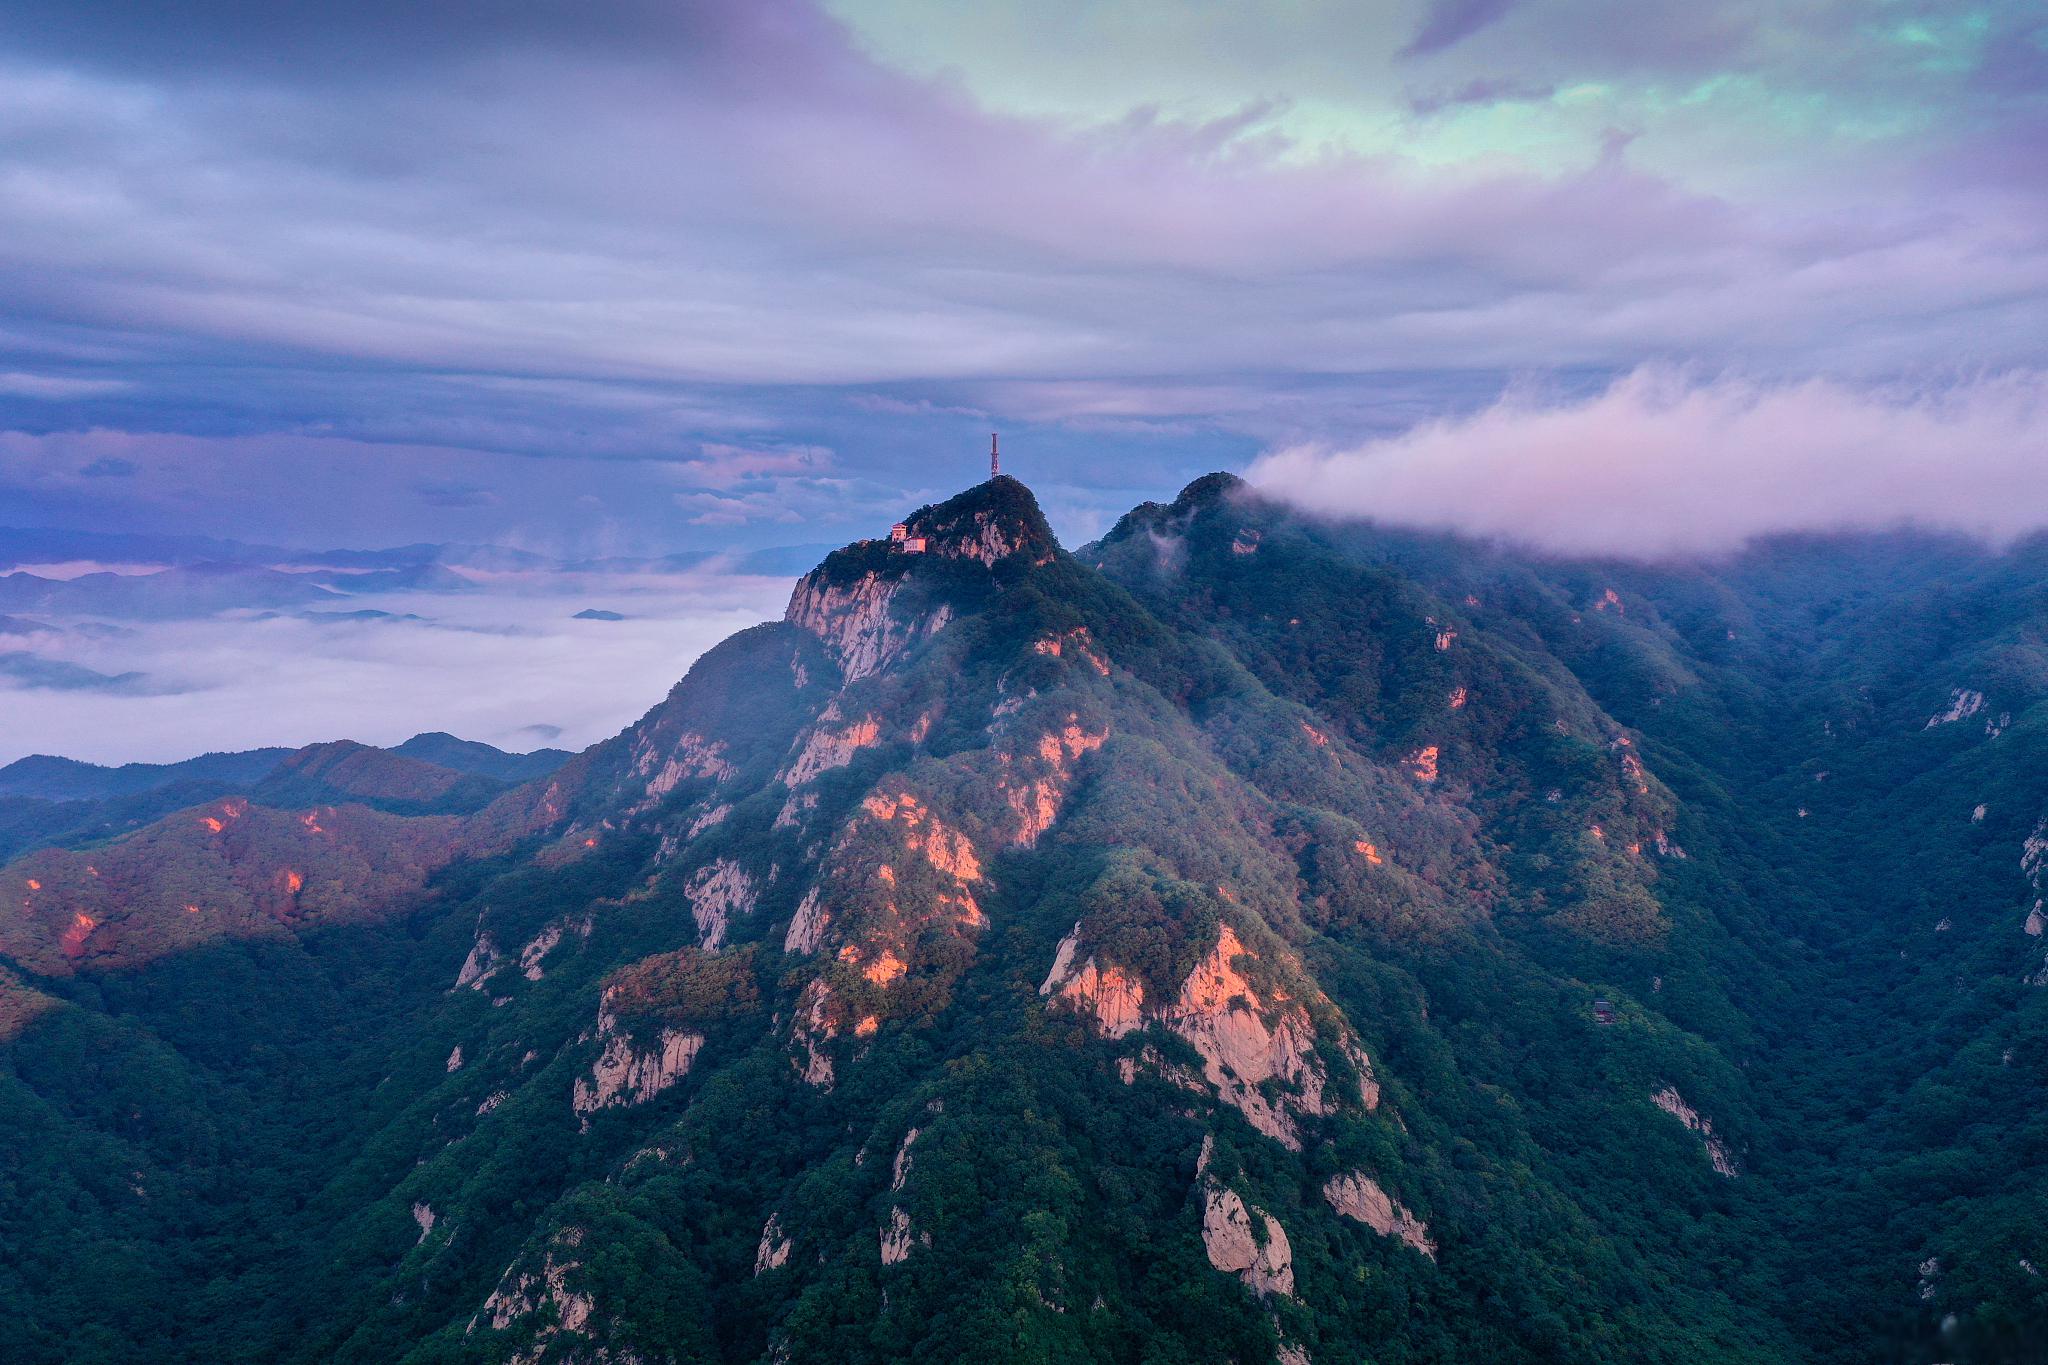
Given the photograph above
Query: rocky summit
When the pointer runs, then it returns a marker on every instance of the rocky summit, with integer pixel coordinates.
(1243, 939)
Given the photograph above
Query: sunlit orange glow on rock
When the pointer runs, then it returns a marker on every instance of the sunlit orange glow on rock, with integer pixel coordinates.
(866, 1027)
(885, 968)
(73, 942)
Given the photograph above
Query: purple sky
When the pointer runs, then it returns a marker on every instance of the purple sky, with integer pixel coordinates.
(632, 275)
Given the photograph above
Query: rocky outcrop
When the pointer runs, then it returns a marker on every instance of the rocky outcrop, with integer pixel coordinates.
(1112, 1000)
(484, 958)
(1077, 643)
(1422, 764)
(718, 894)
(944, 847)
(545, 1294)
(808, 925)
(1358, 1196)
(829, 744)
(856, 620)
(537, 949)
(897, 1239)
(814, 1028)
(1245, 1043)
(663, 763)
(1671, 1102)
(1035, 782)
(1258, 1054)
(1260, 1256)
(1963, 703)
(625, 1074)
(773, 1253)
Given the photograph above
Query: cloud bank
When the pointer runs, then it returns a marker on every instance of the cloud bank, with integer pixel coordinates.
(509, 665)
(1661, 463)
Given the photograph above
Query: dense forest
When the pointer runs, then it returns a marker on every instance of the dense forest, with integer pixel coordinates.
(1241, 939)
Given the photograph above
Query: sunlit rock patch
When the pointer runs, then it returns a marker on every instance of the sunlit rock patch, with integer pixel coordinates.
(829, 744)
(1035, 781)
(1257, 1047)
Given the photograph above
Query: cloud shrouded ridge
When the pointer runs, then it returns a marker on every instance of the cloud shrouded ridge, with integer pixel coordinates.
(1663, 464)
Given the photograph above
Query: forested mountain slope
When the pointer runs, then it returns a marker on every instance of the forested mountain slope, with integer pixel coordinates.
(1242, 940)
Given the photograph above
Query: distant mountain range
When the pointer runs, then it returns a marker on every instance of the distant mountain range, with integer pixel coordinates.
(1242, 939)
(46, 800)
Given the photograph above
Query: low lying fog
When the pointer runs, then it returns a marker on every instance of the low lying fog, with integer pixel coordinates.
(506, 664)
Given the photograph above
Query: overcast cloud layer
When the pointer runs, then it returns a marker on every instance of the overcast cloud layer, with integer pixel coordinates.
(637, 273)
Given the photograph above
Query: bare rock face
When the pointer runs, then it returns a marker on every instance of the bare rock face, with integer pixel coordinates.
(663, 761)
(484, 958)
(808, 926)
(1671, 1102)
(717, 894)
(897, 1240)
(1035, 782)
(626, 1075)
(1222, 1017)
(1111, 999)
(829, 744)
(537, 949)
(1357, 1195)
(773, 1253)
(856, 621)
(1963, 702)
(1266, 1265)
(1257, 1055)
(813, 1029)
(523, 1294)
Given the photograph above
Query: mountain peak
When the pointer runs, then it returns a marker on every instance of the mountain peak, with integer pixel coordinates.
(849, 600)
(1210, 488)
(988, 522)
